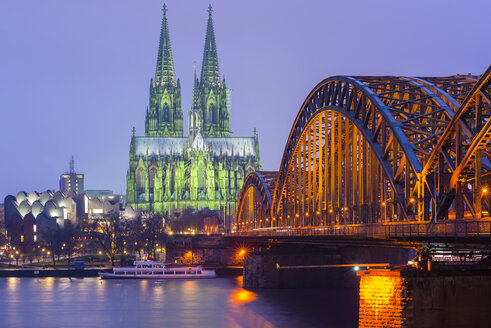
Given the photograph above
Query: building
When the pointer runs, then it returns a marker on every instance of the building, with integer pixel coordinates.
(72, 181)
(2, 214)
(30, 217)
(169, 172)
(93, 193)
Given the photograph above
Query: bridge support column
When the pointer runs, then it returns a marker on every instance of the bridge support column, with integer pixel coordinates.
(413, 298)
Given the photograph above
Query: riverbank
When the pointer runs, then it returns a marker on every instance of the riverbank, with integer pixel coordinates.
(89, 272)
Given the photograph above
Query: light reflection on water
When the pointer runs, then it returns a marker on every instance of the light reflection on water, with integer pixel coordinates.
(221, 302)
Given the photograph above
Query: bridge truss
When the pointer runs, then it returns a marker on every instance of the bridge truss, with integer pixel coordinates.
(371, 153)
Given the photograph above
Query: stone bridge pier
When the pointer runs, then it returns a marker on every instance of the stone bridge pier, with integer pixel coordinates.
(408, 297)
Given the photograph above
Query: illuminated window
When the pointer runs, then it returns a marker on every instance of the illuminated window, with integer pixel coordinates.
(35, 238)
(21, 238)
(35, 228)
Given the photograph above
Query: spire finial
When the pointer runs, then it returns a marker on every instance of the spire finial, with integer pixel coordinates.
(210, 10)
(164, 74)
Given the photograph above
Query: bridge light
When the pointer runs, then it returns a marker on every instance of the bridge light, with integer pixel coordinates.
(383, 203)
(307, 214)
(411, 200)
(356, 268)
(330, 210)
(484, 190)
(296, 215)
(318, 212)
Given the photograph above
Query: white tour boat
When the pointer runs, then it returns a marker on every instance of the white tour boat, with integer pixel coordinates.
(157, 270)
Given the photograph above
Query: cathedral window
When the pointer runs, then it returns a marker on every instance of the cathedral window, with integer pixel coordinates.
(153, 171)
(165, 113)
(140, 180)
(211, 113)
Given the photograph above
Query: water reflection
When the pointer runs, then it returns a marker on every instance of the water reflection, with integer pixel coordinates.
(47, 283)
(12, 283)
(243, 296)
(221, 302)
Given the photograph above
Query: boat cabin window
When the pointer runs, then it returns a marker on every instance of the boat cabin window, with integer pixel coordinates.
(169, 272)
(180, 272)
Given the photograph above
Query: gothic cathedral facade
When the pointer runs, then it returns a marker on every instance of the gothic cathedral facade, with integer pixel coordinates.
(169, 172)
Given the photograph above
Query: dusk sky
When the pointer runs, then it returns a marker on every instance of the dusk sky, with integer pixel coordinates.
(75, 74)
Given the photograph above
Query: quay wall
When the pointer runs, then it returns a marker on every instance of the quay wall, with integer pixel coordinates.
(407, 297)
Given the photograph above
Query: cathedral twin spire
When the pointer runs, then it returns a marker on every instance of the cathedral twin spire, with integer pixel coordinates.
(209, 111)
(210, 72)
(165, 65)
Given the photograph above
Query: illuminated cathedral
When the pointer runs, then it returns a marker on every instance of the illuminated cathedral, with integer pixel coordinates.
(169, 172)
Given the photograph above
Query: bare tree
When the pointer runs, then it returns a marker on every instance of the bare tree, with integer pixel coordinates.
(152, 231)
(109, 233)
(53, 239)
(70, 237)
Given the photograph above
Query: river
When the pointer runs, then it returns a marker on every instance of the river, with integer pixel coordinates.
(221, 302)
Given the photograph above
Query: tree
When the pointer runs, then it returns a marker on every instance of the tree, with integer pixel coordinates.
(4, 240)
(53, 239)
(109, 234)
(133, 236)
(70, 237)
(153, 228)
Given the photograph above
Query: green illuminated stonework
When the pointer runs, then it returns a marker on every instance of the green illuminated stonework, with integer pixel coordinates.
(164, 113)
(169, 172)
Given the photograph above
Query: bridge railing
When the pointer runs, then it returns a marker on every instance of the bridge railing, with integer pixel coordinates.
(447, 228)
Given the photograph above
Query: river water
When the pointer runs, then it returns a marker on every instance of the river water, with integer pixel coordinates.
(221, 302)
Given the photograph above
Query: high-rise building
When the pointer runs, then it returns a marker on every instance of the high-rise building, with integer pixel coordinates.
(168, 172)
(72, 180)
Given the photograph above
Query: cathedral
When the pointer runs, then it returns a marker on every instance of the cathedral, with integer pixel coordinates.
(169, 172)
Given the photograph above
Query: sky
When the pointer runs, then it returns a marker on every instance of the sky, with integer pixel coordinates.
(75, 75)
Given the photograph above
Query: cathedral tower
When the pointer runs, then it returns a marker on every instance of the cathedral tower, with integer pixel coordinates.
(164, 114)
(210, 94)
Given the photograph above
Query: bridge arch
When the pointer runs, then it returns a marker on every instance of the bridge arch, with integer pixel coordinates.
(380, 149)
(400, 119)
(254, 203)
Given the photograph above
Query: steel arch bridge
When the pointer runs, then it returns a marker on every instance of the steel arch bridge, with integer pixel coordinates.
(380, 155)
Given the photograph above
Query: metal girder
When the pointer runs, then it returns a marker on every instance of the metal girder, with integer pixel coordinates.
(360, 143)
(411, 112)
(261, 191)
